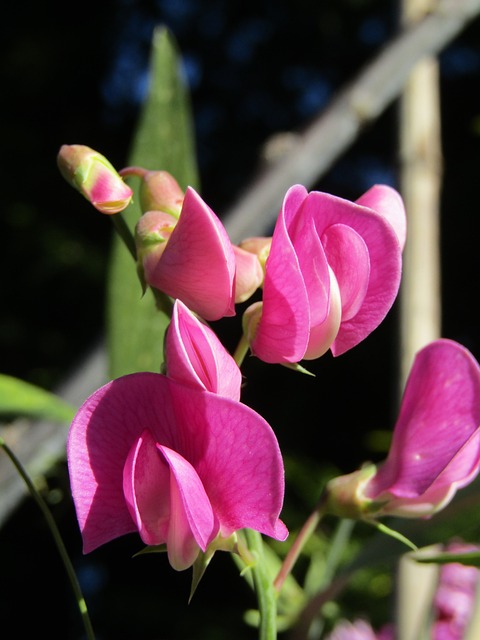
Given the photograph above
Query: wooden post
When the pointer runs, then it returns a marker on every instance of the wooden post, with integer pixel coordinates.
(421, 171)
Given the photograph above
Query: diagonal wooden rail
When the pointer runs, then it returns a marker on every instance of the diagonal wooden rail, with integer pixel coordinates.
(314, 151)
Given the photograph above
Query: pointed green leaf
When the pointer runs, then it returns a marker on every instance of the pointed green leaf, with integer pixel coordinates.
(163, 141)
(22, 399)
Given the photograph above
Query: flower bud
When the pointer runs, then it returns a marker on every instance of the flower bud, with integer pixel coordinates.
(152, 232)
(260, 246)
(345, 495)
(160, 191)
(94, 177)
(248, 274)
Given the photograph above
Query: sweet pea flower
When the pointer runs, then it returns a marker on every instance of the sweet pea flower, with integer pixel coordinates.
(455, 597)
(359, 630)
(331, 276)
(94, 177)
(180, 465)
(194, 355)
(193, 261)
(435, 447)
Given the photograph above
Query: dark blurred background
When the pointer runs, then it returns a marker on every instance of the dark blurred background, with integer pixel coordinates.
(79, 75)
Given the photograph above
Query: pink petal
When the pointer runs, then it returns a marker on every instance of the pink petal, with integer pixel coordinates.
(322, 335)
(283, 331)
(436, 440)
(347, 255)
(239, 463)
(385, 262)
(195, 356)
(192, 522)
(389, 204)
(198, 264)
(146, 486)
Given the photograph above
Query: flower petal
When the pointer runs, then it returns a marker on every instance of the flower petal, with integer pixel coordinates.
(192, 523)
(385, 262)
(195, 356)
(198, 264)
(239, 463)
(436, 440)
(146, 487)
(389, 204)
(283, 331)
(347, 255)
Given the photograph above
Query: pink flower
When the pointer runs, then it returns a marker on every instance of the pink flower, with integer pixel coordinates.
(94, 177)
(193, 261)
(195, 356)
(357, 630)
(332, 274)
(179, 465)
(455, 597)
(435, 448)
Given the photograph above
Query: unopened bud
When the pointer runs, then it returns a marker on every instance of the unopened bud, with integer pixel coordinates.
(159, 191)
(152, 232)
(345, 495)
(94, 177)
(260, 246)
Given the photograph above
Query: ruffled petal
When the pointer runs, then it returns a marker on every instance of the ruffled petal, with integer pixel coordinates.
(389, 204)
(385, 262)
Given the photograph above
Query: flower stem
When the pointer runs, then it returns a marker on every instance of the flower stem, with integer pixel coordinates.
(125, 234)
(304, 534)
(82, 606)
(267, 602)
(241, 350)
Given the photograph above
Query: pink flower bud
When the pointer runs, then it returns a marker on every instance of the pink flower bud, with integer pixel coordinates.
(152, 232)
(248, 274)
(160, 191)
(94, 177)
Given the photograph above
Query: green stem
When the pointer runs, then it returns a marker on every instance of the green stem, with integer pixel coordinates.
(241, 350)
(163, 302)
(82, 606)
(125, 234)
(267, 602)
(303, 536)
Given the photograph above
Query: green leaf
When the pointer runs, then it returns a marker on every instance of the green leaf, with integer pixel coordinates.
(163, 141)
(22, 399)
(471, 558)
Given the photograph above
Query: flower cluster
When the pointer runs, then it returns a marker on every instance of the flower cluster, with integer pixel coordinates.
(451, 609)
(177, 456)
